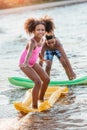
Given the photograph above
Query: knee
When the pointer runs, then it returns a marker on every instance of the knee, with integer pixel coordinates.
(47, 79)
(38, 83)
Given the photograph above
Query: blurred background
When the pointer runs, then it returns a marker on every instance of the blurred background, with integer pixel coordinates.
(18, 3)
(69, 113)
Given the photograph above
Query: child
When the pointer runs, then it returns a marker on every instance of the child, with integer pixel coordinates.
(29, 57)
(51, 47)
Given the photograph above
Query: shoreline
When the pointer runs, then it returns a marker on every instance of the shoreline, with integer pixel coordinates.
(41, 6)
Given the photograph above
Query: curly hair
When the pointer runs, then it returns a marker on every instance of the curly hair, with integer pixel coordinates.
(49, 24)
(31, 23)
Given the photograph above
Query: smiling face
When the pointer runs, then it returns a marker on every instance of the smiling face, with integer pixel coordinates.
(39, 31)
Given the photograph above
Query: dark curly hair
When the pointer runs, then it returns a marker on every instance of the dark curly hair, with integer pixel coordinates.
(49, 24)
(31, 23)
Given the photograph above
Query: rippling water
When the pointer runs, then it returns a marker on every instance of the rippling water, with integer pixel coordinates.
(71, 29)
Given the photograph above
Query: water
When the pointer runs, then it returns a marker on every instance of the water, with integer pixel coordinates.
(71, 29)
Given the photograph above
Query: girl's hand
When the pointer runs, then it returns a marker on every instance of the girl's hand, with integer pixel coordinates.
(41, 58)
(25, 65)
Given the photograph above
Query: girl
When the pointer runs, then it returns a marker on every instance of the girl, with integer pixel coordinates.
(29, 57)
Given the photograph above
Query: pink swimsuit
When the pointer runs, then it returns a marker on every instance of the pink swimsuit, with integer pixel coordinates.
(33, 58)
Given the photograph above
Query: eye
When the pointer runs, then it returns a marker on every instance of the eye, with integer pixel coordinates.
(50, 42)
(43, 29)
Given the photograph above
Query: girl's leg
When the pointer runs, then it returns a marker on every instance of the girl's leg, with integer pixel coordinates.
(32, 74)
(44, 77)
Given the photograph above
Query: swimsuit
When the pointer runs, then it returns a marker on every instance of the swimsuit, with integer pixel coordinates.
(33, 58)
(50, 53)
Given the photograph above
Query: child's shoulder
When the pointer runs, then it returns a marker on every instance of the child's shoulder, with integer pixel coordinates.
(58, 42)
